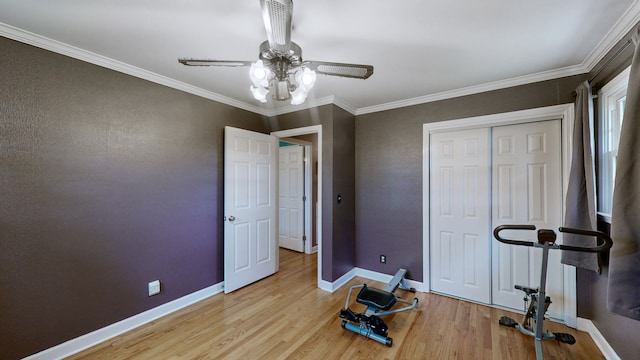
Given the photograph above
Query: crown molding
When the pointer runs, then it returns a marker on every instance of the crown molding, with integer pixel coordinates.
(496, 85)
(344, 105)
(58, 47)
(630, 18)
(313, 103)
(308, 104)
(42, 42)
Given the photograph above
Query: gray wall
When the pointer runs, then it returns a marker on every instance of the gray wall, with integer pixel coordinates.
(338, 178)
(107, 182)
(389, 185)
(343, 253)
(389, 168)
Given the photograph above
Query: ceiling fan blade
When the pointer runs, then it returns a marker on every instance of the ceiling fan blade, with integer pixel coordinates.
(277, 16)
(205, 62)
(338, 69)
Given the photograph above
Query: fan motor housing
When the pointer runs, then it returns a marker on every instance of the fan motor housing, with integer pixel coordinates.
(293, 55)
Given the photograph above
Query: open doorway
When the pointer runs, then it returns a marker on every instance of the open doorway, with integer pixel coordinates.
(297, 193)
(311, 135)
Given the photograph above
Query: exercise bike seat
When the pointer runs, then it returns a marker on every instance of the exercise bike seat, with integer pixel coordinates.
(376, 298)
(527, 290)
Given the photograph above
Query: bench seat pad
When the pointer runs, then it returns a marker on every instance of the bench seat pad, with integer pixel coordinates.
(376, 298)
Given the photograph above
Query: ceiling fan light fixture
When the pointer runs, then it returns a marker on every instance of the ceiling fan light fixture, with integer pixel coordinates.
(280, 68)
(305, 79)
(282, 89)
(259, 74)
(259, 93)
(298, 96)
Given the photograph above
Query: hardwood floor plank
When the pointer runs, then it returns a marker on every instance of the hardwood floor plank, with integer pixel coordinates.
(286, 316)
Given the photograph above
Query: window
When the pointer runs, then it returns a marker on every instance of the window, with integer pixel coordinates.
(612, 100)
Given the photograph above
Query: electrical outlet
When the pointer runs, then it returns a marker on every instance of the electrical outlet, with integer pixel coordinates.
(383, 259)
(154, 287)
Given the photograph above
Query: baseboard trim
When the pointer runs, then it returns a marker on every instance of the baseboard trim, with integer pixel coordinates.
(101, 335)
(385, 278)
(86, 341)
(367, 274)
(373, 275)
(587, 326)
(333, 286)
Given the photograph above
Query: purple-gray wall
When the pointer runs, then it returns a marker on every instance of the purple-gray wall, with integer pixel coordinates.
(343, 254)
(338, 178)
(389, 184)
(107, 182)
(389, 168)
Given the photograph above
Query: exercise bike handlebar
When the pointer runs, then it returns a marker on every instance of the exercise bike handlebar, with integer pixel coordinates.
(606, 245)
(496, 234)
(607, 242)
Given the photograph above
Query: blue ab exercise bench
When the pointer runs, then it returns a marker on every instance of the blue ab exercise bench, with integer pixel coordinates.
(378, 303)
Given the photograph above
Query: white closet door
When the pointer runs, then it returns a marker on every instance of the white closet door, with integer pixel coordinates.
(527, 189)
(460, 214)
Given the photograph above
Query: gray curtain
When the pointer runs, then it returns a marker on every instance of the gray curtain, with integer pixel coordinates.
(624, 267)
(581, 212)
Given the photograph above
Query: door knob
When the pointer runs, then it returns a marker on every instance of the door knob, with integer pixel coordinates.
(232, 218)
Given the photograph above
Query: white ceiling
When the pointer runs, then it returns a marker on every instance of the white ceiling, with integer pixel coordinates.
(421, 50)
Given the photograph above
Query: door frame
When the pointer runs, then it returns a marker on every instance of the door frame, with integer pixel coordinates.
(565, 113)
(314, 129)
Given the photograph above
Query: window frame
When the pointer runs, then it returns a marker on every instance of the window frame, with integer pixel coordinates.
(610, 121)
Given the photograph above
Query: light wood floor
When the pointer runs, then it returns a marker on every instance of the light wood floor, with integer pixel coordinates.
(287, 317)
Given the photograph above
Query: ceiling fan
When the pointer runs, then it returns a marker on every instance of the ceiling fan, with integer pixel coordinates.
(280, 66)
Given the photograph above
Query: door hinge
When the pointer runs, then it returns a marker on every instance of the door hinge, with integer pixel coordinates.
(304, 198)
(304, 238)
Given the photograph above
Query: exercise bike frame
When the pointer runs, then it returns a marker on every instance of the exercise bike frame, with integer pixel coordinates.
(546, 241)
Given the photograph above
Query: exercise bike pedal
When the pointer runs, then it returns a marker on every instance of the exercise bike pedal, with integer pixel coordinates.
(565, 338)
(507, 321)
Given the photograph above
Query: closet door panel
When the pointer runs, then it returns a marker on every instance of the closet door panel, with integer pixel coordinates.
(460, 214)
(526, 189)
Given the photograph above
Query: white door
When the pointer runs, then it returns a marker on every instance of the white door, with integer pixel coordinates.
(460, 214)
(250, 207)
(291, 204)
(527, 189)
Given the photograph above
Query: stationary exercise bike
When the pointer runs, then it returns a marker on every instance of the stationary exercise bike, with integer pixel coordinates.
(379, 303)
(536, 301)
